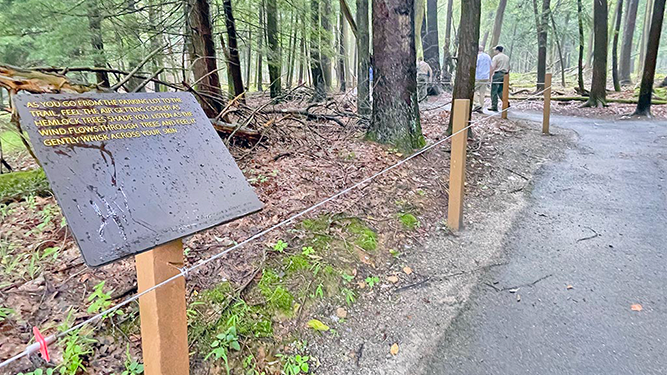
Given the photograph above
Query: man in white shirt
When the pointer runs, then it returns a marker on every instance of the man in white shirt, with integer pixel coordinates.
(482, 75)
(500, 65)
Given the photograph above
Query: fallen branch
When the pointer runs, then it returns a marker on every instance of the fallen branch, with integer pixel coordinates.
(227, 128)
(306, 114)
(584, 99)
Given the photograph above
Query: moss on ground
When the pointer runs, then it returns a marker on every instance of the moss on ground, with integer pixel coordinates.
(362, 235)
(19, 185)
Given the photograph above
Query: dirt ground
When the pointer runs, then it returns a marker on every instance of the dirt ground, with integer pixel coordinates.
(414, 313)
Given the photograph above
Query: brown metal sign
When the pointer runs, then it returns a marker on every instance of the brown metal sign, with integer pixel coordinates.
(133, 171)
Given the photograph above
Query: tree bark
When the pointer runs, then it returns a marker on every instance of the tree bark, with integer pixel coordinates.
(614, 56)
(464, 86)
(348, 16)
(542, 23)
(498, 24)
(233, 46)
(341, 52)
(274, 57)
(260, 47)
(95, 24)
(363, 59)
(431, 43)
(395, 117)
(646, 89)
(560, 49)
(580, 64)
(325, 42)
(202, 55)
(626, 47)
(447, 55)
(419, 13)
(315, 53)
(598, 94)
(645, 33)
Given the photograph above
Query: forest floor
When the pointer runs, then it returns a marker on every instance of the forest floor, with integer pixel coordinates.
(365, 266)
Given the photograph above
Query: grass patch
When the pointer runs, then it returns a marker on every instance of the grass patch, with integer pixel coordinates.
(363, 236)
(409, 221)
(19, 185)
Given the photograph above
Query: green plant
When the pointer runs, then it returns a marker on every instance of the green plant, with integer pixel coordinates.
(307, 251)
(409, 221)
(395, 253)
(280, 246)
(294, 364)
(39, 371)
(5, 312)
(77, 345)
(101, 300)
(5, 211)
(222, 344)
(347, 278)
(132, 367)
(350, 296)
(372, 280)
(49, 212)
(319, 293)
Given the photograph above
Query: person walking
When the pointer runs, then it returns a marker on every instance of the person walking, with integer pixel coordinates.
(482, 75)
(500, 65)
(424, 77)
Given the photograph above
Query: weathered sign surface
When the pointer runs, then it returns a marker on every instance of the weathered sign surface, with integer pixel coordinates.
(133, 171)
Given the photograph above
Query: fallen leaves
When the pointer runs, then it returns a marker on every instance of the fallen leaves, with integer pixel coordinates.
(407, 270)
(392, 279)
(318, 325)
(636, 307)
(341, 313)
(394, 349)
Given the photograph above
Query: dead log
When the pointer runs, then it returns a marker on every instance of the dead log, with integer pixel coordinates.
(225, 128)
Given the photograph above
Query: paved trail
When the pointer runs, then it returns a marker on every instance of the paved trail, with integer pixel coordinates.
(597, 220)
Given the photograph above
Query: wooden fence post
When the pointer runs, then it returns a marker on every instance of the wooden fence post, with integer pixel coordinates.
(457, 168)
(164, 324)
(547, 104)
(506, 95)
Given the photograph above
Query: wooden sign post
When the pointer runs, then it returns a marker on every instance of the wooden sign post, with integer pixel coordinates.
(546, 119)
(164, 323)
(506, 95)
(457, 168)
(134, 174)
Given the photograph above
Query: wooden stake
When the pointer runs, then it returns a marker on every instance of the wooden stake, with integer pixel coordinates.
(547, 104)
(506, 95)
(164, 324)
(457, 169)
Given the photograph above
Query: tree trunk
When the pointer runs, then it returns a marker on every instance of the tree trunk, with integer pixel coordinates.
(419, 13)
(559, 47)
(341, 52)
(291, 56)
(233, 46)
(542, 23)
(646, 89)
(614, 56)
(315, 53)
(448, 66)
(202, 55)
(260, 47)
(248, 59)
(395, 105)
(156, 41)
(580, 64)
(95, 24)
(274, 57)
(598, 96)
(363, 59)
(464, 87)
(498, 24)
(325, 42)
(626, 47)
(431, 44)
(644, 41)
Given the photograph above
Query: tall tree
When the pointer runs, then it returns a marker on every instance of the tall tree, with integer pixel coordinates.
(498, 24)
(580, 64)
(598, 96)
(202, 56)
(95, 23)
(626, 47)
(340, 64)
(274, 57)
(648, 77)
(233, 47)
(363, 59)
(644, 41)
(325, 42)
(431, 43)
(542, 23)
(395, 104)
(260, 46)
(315, 53)
(614, 53)
(447, 56)
(464, 86)
(419, 15)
